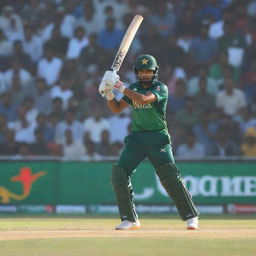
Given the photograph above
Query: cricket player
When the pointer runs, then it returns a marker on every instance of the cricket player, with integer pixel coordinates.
(149, 138)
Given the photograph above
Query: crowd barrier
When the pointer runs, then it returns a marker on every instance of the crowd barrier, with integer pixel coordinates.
(80, 187)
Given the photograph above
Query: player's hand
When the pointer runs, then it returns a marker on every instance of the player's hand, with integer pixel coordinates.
(108, 82)
(104, 89)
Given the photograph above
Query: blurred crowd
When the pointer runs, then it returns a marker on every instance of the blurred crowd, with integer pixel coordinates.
(53, 54)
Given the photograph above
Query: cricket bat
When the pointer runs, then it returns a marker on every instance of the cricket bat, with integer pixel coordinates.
(126, 42)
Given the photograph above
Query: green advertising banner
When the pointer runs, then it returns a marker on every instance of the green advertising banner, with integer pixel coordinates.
(85, 183)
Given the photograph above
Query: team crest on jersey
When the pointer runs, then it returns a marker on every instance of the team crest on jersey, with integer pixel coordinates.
(158, 88)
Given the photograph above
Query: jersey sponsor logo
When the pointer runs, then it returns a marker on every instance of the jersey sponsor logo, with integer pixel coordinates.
(163, 150)
(141, 106)
(158, 88)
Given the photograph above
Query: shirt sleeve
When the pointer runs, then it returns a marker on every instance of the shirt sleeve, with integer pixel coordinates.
(161, 92)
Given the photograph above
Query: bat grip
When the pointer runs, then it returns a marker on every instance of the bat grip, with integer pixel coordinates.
(114, 70)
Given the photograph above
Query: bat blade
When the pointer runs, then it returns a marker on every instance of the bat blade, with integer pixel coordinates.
(126, 42)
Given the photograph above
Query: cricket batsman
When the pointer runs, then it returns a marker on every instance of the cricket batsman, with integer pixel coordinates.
(149, 137)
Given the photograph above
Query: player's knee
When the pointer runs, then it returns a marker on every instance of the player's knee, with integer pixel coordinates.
(168, 173)
(119, 177)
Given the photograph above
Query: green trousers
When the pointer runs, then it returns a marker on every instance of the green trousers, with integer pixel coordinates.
(156, 146)
(139, 145)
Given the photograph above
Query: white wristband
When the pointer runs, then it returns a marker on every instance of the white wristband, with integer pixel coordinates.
(120, 86)
(110, 96)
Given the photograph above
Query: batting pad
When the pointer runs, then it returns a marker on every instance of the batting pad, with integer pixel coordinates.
(171, 180)
(124, 195)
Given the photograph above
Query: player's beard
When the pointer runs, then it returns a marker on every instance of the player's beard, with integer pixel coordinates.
(146, 80)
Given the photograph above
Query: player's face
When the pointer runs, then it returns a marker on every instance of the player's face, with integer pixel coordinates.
(145, 75)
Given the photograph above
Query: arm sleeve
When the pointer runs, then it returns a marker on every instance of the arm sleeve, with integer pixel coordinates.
(161, 92)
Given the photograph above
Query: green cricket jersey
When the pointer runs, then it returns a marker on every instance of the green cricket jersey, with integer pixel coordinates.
(149, 117)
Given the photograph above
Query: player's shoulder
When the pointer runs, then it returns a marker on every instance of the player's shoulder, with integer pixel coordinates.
(160, 85)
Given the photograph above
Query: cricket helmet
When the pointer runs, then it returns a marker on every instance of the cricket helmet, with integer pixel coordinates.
(146, 62)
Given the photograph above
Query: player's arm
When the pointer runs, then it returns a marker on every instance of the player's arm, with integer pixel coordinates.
(140, 98)
(117, 106)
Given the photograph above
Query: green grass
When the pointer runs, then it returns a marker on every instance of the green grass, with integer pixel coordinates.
(161, 235)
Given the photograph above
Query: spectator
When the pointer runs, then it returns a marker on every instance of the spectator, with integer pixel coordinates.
(205, 131)
(11, 24)
(163, 19)
(31, 111)
(39, 147)
(246, 120)
(69, 123)
(72, 149)
(191, 149)
(204, 100)
(172, 51)
(188, 117)
(248, 147)
(95, 125)
(110, 37)
(211, 8)
(173, 77)
(8, 107)
(249, 83)
(223, 147)
(193, 84)
(203, 49)
(77, 43)
(58, 43)
(177, 101)
(24, 131)
(57, 108)
(119, 127)
(93, 54)
(10, 147)
(89, 20)
(104, 148)
(234, 43)
(230, 100)
(22, 57)
(42, 97)
(187, 25)
(47, 27)
(49, 67)
(5, 47)
(216, 28)
(67, 22)
(44, 128)
(16, 74)
(91, 154)
(121, 8)
(32, 44)
(220, 68)
(62, 91)
(231, 125)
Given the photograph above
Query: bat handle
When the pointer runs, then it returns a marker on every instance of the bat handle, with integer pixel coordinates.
(114, 70)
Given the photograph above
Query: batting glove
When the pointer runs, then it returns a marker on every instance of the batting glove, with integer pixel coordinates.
(108, 82)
